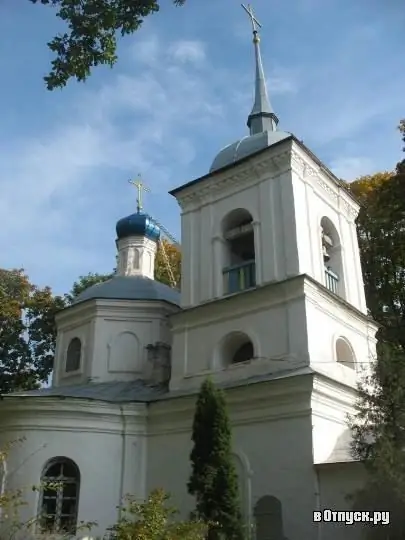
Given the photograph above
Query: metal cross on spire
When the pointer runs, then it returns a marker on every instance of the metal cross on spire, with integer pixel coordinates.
(140, 186)
(262, 118)
(253, 20)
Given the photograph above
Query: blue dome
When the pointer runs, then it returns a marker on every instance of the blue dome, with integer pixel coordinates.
(138, 225)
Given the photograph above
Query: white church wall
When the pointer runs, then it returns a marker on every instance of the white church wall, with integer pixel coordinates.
(273, 318)
(265, 192)
(317, 196)
(81, 329)
(331, 404)
(115, 334)
(287, 194)
(338, 322)
(272, 438)
(336, 482)
(107, 450)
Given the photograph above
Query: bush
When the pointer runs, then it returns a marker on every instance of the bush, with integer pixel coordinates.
(154, 520)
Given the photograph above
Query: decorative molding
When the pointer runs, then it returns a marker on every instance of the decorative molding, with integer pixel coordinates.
(349, 209)
(208, 189)
(331, 193)
(331, 188)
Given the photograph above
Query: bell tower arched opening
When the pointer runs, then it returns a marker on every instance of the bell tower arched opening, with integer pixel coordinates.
(239, 258)
(332, 257)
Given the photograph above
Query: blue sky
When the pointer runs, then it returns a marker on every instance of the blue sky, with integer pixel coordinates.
(182, 90)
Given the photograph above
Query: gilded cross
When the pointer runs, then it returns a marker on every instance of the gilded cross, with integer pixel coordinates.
(253, 19)
(140, 186)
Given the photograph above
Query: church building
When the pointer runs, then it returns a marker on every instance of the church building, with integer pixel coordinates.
(272, 308)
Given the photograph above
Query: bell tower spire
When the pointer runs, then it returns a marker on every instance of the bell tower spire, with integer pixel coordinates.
(262, 117)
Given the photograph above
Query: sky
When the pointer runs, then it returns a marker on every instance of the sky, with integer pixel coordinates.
(181, 90)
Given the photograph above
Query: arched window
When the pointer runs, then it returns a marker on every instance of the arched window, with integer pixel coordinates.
(235, 349)
(269, 519)
(239, 268)
(59, 496)
(332, 257)
(344, 353)
(73, 355)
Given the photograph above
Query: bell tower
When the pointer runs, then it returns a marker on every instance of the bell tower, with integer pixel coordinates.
(271, 275)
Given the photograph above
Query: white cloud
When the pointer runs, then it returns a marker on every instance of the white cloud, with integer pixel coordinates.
(186, 51)
(350, 168)
(282, 81)
(56, 196)
(146, 50)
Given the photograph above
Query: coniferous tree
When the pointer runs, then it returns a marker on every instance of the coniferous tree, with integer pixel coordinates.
(214, 481)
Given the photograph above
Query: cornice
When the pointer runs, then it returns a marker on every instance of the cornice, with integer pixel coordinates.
(65, 406)
(326, 301)
(267, 394)
(251, 417)
(249, 301)
(75, 311)
(71, 415)
(272, 162)
(74, 315)
(330, 392)
(75, 427)
(308, 170)
(251, 172)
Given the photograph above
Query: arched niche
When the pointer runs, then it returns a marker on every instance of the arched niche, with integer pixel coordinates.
(234, 348)
(268, 519)
(238, 257)
(332, 256)
(125, 353)
(344, 353)
(73, 355)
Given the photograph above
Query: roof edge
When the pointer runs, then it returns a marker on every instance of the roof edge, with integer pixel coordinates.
(337, 181)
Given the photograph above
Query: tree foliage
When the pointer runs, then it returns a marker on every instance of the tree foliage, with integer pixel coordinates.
(378, 425)
(173, 254)
(162, 273)
(83, 283)
(91, 35)
(153, 519)
(381, 230)
(378, 429)
(27, 331)
(213, 480)
(27, 321)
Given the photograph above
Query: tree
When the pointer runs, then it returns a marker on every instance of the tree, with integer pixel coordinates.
(83, 283)
(91, 36)
(381, 231)
(378, 426)
(173, 254)
(378, 429)
(154, 520)
(161, 272)
(27, 332)
(213, 480)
